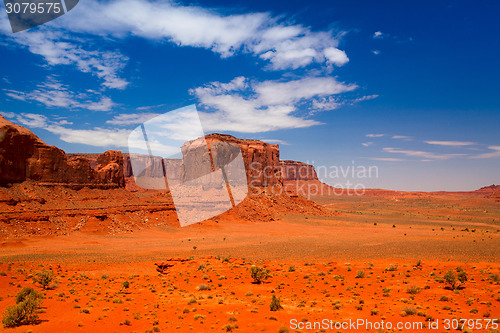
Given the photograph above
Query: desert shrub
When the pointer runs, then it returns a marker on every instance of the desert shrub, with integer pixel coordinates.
(126, 322)
(283, 329)
(408, 311)
(360, 275)
(44, 278)
(126, 284)
(228, 327)
(455, 281)
(413, 290)
(24, 293)
(275, 304)
(391, 268)
(23, 312)
(259, 274)
(203, 287)
(494, 277)
(291, 269)
(444, 299)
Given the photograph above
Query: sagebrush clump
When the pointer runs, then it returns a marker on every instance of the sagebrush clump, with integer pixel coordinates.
(24, 311)
(259, 274)
(275, 304)
(44, 278)
(455, 281)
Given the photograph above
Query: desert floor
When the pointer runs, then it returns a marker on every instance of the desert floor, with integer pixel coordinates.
(360, 263)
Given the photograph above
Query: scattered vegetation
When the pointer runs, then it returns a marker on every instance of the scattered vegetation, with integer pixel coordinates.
(275, 304)
(259, 274)
(28, 301)
(360, 275)
(44, 279)
(455, 281)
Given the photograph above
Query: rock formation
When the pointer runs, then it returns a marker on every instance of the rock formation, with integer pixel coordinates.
(23, 156)
(293, 170)
(262, 160)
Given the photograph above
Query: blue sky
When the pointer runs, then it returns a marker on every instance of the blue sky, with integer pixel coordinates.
(411, 88)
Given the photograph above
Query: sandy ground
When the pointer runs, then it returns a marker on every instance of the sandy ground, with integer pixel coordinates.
(313, 262)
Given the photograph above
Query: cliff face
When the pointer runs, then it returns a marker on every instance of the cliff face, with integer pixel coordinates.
(23, 156)
(293, 170)
(261, 159)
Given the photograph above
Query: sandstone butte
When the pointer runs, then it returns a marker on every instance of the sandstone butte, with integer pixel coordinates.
(23, 156)
(45, 191)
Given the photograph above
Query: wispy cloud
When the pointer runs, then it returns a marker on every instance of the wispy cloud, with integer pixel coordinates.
(421, 154)
(401, 137)
(451, 143)
(378, 35)
(249, 106)
(375, 135)
(284, 45)
(387, 159)
(364, 98)
(55, 94)
(7, 114)
(57, 48)
(494, 154)
(376, 52)
(98, 137)
(276, 141)
(367, 144)
(131, 118)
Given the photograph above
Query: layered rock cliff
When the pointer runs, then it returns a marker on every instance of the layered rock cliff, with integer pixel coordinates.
(23, 156)
(261, 159)
(293, 170)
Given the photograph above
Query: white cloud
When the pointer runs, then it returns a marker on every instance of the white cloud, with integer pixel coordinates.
(401, 137)
(245, 106)
(131, 118)
(376, 52)
(423, 154)
(364, 98)
(57, 48)
(275, 141)
(98, 137)
(324, 103)
(387, 159)
(149, 107)
(284, 45)
(451, 143)
(494, 154)
(55, 94)
(378, 34)
(367, 144)
(7, 114)
(375, 135)
(336, 56)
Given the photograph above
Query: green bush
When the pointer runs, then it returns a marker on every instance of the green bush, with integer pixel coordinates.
(275, 304)
(44, 278)
(360, 275)
(455, 281)
(23, 312)
(259, 274)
